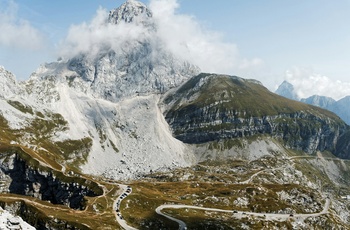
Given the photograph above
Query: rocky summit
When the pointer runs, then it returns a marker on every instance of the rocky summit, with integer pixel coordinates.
(129, 12)
(131, 136)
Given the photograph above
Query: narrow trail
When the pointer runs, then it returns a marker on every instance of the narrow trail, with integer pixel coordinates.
(319, 157)
(259, 172)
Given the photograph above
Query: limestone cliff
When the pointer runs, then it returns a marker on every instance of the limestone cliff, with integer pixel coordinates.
(213, 107)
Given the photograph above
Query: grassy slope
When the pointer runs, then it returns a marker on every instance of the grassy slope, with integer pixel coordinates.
(219, 107)
(241, 96)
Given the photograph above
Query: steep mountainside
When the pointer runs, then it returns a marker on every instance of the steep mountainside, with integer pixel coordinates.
(340, 107)
(107, 101)
(213, 107)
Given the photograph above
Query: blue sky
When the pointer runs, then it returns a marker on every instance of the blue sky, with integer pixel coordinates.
(303, 41)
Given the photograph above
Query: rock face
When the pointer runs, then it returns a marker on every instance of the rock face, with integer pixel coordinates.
(8, 84)
(215, 107)
(135, 70)
(25, 180)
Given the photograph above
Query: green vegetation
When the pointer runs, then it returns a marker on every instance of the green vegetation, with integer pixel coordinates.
(45, 127)
(19, 106)
(39, 132)
(139, 207)
(75, 151)
(114, 146)
(243, 98)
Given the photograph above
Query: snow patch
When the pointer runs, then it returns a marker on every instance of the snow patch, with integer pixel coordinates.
(8, 221)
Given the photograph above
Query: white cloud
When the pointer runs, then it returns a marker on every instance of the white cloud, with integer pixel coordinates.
(16, 32)
(90, 38)
(181, 34)
(185, 37)
(307, 83)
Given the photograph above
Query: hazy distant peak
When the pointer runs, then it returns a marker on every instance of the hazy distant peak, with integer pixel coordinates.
(130, 11)
(286, 85)
(286, 89)
(320, 101)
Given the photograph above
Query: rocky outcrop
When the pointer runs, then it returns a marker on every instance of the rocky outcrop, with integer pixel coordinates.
(215, 107)
(9, 221)
(45, 185)
(135, 70)
(8, 84)
(300, 131)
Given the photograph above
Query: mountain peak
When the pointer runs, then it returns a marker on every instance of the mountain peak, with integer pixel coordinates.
(286, 89)
(130, 11)
(135, 65)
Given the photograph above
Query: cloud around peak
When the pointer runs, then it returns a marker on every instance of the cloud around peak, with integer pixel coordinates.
(181, 34)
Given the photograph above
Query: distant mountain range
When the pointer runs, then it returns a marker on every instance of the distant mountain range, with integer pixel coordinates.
(340, 107)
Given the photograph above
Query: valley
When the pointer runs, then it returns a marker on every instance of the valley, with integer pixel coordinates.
(279, 189)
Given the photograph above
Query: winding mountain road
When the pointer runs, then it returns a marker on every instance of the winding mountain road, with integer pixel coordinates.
(235, 214)
(239, 214)
(125, 191)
